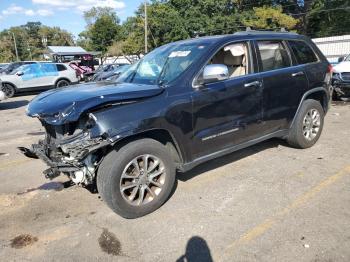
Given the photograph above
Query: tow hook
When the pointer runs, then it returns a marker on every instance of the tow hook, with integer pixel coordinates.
(28, 153)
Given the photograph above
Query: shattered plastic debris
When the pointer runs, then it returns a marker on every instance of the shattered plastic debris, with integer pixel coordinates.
(306, 245)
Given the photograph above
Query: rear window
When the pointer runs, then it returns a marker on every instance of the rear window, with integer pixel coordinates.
(303, 52)
(273, 55)
(61, 68)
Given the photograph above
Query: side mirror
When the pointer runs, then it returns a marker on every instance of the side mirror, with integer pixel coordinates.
(19, 73)
(341, 59)
(215, 72)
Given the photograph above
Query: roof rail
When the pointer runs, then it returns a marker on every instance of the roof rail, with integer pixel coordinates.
(275, 29)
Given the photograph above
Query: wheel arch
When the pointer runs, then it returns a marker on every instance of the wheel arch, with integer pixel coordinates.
(10, 83)
(161, 135)
(62, 78)
(319, 94)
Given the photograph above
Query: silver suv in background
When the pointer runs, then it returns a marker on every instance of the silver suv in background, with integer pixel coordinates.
(37, 76)
(341, 78)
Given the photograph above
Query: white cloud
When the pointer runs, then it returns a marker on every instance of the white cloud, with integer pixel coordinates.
(81, 5)
(19, 10)
(29, 12)
(13, 9)
(44, 12)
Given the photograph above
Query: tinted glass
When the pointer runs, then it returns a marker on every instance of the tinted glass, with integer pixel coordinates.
(61, 67)
(273, 55)
(303, 53)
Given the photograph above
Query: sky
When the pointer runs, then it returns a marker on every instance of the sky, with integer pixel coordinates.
(67, 14)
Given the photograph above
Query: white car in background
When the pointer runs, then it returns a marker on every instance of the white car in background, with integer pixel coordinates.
(341, 78)
(37, 76)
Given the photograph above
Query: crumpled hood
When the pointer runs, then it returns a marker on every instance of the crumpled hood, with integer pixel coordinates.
(59, 106)
(342, 67)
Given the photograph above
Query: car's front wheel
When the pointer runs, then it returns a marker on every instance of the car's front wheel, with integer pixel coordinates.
(308, 125)
(9, 90)
(136, 179)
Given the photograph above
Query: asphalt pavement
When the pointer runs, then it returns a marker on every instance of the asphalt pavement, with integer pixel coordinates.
(269, 202)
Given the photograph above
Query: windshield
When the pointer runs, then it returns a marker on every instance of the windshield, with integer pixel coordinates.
(163, 65)
(347, 58)
(18, 69)
(9, 68)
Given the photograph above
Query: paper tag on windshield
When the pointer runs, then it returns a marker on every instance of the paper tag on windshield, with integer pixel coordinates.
(179, 53)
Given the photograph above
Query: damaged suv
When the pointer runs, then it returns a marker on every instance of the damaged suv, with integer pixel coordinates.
(182, 104)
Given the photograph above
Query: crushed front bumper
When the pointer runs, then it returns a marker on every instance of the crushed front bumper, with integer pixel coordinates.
(66, 155)
(342, 89)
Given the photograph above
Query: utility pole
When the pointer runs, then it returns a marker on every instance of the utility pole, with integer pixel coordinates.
(14, 41)
(146, 39)
(30, 52)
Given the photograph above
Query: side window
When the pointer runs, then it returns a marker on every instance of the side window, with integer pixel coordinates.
(273, 55)
(61, 67)
(303, 53)
(235, 57)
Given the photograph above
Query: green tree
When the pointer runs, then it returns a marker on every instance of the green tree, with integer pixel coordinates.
(328, 18)
(29, 41)
(268, 18)
(102, 28)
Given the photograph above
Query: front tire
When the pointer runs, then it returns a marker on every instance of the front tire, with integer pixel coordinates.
(9, 90)
(137, 179)
(308, 125)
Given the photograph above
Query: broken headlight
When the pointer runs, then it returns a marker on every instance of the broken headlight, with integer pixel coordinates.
(91, 122)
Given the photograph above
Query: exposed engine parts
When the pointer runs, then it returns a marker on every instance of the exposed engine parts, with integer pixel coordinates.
(73, 155)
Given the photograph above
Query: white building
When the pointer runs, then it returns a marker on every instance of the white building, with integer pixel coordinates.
(333, 47)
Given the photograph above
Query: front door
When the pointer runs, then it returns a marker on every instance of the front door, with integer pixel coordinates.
(227, 113)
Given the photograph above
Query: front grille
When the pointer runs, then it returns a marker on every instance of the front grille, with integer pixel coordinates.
(345, 76)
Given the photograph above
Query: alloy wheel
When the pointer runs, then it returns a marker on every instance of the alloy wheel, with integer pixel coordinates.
(142, 180)
(8, 90)
(311, 124)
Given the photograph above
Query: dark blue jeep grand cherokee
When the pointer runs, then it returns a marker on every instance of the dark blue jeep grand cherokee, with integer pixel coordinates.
(182, 104)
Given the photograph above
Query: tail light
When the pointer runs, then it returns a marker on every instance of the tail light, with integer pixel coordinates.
(330, 68)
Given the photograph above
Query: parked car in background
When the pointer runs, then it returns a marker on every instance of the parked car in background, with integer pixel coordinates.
(112, 74)
(2, 65)
(182, 104)
(341, 78)
(84, 73)
(37, 76)
(12, 66)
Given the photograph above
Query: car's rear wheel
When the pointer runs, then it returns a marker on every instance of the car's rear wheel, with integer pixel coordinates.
(62, 83)
(9, 90)
(308, 125)
(137, 179)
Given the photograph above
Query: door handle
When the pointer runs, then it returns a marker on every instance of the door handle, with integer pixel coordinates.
(254, 83)
(301, 73)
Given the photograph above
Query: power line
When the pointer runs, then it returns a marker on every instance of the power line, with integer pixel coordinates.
(323, 11)
(294, 4)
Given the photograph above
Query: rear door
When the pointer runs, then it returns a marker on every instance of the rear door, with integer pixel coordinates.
(314, 66)
(283, 84)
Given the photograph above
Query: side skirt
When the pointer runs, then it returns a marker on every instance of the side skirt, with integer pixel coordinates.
(37, 88)
(187, 166)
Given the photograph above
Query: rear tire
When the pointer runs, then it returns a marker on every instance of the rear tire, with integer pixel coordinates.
(62, 83)
(9, 90)
(308, 125)
(130, 188)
